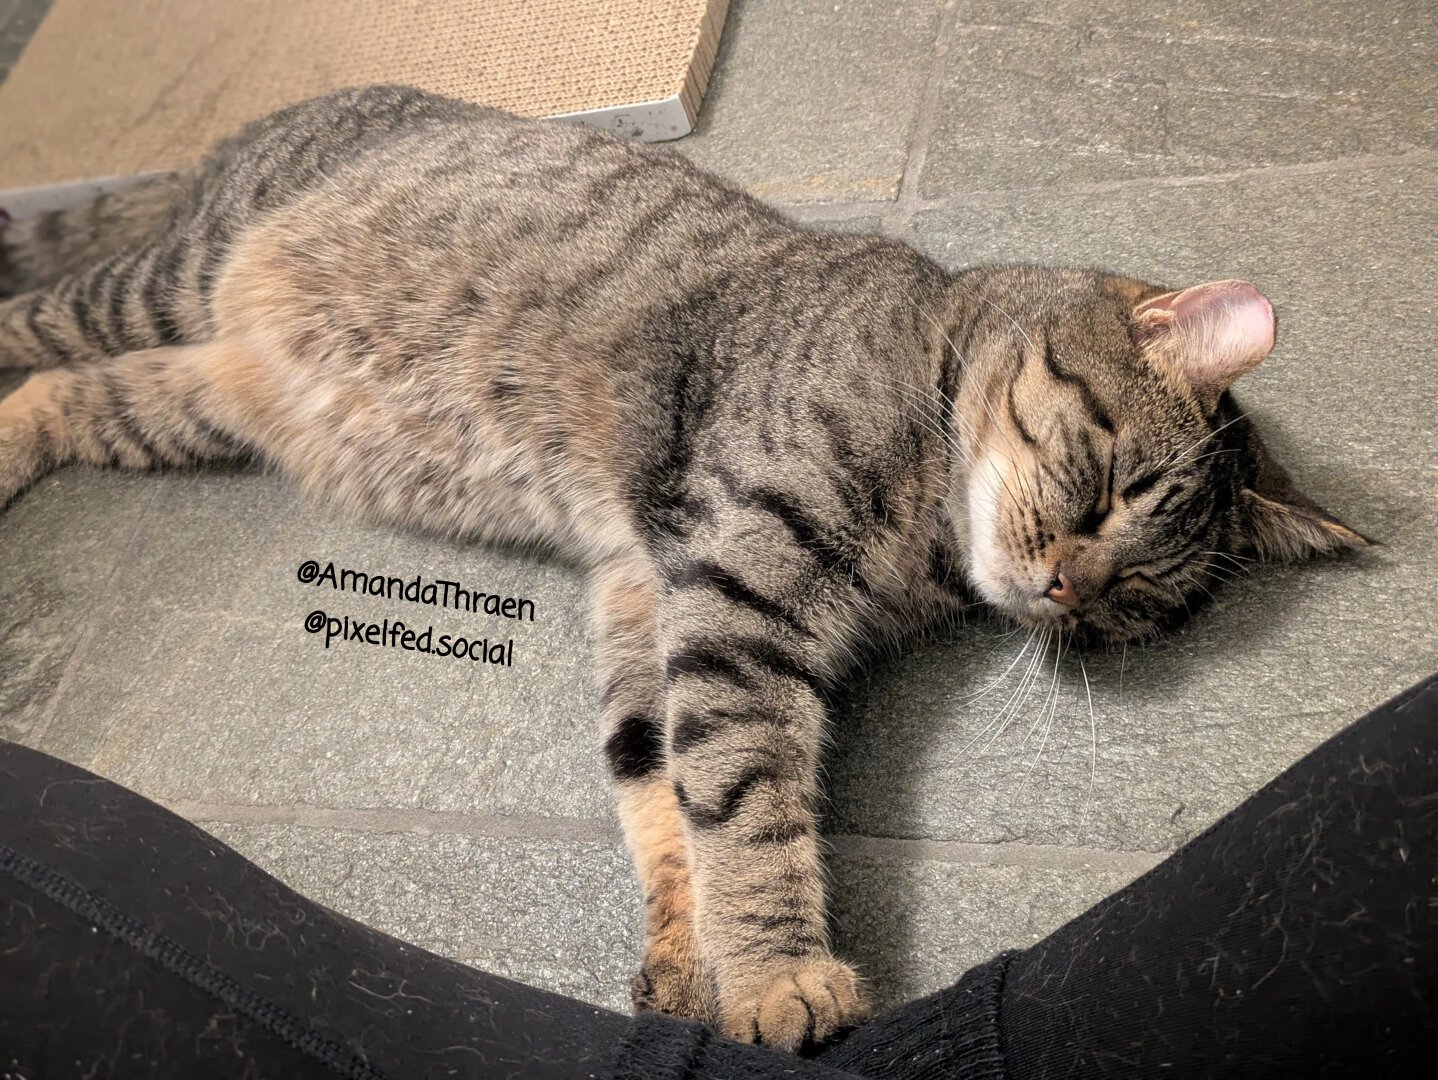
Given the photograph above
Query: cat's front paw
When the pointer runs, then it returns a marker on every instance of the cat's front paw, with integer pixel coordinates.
(21, 453)
(674, 982)
(790, 1006)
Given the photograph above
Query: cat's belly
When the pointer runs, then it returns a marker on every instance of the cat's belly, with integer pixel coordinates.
(484, 495)
(405, 459)
(434, 449)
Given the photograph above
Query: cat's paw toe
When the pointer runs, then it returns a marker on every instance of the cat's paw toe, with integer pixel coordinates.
(806, 1004)
(680, 989)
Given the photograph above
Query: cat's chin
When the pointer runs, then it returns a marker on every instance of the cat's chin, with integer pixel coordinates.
(1065, 628)
(1074, 631)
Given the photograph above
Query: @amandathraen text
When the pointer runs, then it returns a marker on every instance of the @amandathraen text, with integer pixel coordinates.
(438, 592)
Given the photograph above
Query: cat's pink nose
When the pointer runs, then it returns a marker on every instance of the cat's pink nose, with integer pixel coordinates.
(1062, 590)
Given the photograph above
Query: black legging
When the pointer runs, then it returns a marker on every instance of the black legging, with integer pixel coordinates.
(1296, 937)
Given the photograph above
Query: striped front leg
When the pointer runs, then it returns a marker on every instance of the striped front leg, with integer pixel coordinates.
(672, 978)
(744, 724)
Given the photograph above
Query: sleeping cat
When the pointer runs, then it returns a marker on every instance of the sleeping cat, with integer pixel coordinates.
(770, 446)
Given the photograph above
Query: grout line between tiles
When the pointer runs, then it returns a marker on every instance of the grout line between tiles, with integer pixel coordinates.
(589, 830)
(414, 821)
(896, 216)
(1007, 853)
(899, 215)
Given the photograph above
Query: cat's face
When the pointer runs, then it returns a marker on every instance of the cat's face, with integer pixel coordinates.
(1111, 482)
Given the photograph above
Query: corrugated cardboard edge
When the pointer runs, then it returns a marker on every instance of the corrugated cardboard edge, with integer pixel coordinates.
(701, 65)
(648, 121)
(21, 203)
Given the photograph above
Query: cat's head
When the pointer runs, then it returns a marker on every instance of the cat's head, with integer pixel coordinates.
(1111, 482)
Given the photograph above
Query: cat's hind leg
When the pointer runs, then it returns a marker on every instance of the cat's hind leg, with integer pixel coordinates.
(144, 410)
(672, 978)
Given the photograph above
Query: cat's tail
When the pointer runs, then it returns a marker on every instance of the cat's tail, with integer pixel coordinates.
(40, 250)
(97, 281)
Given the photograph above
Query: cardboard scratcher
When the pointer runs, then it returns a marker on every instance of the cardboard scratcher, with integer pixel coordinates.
(111, 89)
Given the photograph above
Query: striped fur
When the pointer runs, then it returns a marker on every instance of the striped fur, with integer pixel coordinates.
(773, 447)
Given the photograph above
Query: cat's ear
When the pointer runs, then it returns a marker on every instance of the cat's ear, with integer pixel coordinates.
(1213, 333)
(1286, 526)
(1293, 532)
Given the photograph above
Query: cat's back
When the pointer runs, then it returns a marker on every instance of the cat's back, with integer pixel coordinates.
(382, 137)
(388, 192)
(466, 239)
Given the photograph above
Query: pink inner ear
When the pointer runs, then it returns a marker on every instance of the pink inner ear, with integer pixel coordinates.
(1215, 332)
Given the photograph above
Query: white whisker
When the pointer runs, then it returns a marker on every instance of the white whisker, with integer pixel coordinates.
(1052, 700)
(964, 360)
(932, 424)
(1016, 699)
(1093, 745)
(1215, 453)
(1122, 663)
(1012, 320)
(1012, 664)
(1175, 459)
(1243, 562)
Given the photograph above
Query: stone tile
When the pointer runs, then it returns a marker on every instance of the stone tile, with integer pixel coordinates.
(1220, 132)
(8, 8)
(1254, 67)
(912, 926)
(211, 532)
(1341, 25)
(200, 682)
(1125, 92)
(531, 741)
(61, 543)
(226, 698)
(132, 667)
(1005, 121)
(817, 217)
(1355, 228)
(814, 101)
(561, 915)
(248, 711)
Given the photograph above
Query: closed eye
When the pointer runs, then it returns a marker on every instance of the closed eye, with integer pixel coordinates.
(1154, 571)
(1136, 575)
(1136, 488)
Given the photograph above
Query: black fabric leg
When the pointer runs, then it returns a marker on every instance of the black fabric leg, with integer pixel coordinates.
(1296, 937)
(132, 944)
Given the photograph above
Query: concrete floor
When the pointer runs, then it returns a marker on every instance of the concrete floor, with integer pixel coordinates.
(150, 626)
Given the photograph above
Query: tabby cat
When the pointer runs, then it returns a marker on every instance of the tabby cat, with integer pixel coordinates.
(770, 446)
